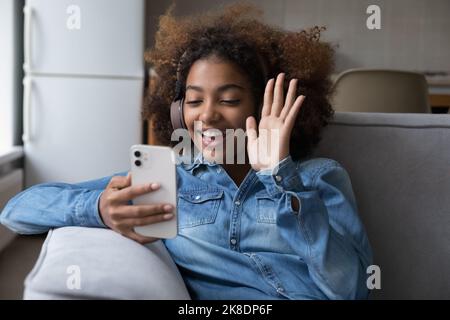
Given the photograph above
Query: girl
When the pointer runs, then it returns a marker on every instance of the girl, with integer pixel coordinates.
(286, 228)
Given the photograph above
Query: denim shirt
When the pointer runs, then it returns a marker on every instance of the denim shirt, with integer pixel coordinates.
(243, 242)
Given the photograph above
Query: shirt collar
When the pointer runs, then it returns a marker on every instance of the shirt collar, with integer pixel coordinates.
(199, 160)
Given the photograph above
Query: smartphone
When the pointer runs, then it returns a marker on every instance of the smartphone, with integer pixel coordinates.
(155, 164)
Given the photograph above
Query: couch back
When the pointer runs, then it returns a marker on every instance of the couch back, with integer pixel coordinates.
(399, 165)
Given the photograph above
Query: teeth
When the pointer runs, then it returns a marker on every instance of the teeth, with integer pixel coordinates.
(212, 133)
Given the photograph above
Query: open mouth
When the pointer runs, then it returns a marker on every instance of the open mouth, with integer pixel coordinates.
(211, 137)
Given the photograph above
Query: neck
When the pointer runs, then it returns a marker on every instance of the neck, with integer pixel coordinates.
(237, 172)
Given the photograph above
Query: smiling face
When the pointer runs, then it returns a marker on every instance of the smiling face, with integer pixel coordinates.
(219, 96)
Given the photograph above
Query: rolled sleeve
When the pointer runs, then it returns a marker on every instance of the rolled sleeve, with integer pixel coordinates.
(282, 178)
(87, 210)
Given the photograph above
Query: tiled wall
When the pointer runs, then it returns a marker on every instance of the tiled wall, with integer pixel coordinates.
(414, 34)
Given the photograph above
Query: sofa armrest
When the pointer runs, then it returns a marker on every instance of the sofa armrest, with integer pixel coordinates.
(93, 263)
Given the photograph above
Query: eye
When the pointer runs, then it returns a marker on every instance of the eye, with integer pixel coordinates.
(231, 102)
(194, 102)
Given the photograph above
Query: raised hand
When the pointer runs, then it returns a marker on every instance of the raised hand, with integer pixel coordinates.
(268, 145)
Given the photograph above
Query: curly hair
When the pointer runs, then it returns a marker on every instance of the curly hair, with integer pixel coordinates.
(236, 34)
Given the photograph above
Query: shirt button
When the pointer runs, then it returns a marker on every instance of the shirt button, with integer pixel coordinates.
(219, 170)
(237, 203)
(278, 178)
(280, 289)
(197, 197)
(233, 241)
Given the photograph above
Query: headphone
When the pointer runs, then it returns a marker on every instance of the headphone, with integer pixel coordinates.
(176, 108)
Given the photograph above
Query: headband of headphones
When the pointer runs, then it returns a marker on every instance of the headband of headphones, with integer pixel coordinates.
(176, 108)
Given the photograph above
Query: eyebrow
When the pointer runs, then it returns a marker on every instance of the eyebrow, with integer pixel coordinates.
(220, 89)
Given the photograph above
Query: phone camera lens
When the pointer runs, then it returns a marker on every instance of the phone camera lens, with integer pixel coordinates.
(137, 163)
(137, 154)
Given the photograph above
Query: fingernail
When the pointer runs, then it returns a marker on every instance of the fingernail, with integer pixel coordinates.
(154, 186)
(168, 216)
(168, 208)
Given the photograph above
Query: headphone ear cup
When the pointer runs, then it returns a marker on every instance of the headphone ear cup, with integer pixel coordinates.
(176, 114)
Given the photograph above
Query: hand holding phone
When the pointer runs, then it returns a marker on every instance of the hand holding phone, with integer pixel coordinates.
(117, 213)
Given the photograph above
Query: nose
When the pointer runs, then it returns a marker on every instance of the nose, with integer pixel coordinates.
(209, 113)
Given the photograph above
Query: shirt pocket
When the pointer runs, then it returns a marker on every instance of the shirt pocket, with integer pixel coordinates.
(198, 207)
(266, 208)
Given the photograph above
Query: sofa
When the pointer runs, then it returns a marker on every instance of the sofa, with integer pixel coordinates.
(399, 165)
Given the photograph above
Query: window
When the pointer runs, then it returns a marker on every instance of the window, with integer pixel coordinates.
(10, 72)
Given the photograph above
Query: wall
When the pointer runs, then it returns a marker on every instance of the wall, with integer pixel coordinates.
(413, 36)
